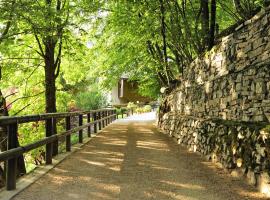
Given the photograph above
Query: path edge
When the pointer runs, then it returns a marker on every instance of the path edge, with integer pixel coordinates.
(41, 170)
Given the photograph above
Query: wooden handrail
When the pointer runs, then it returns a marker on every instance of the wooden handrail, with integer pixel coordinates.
(101, 118)
(42, 117)
(6, 155)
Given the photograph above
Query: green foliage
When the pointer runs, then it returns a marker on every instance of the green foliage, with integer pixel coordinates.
(96, 42)
(144, 109)
(132, 105)
(118, 111)
(90, 100)
(147, 108)
(29, 133)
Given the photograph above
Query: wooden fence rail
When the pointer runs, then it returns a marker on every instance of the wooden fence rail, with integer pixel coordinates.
(100, 119)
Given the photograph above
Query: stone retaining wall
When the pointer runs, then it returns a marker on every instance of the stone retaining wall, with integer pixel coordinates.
(222, 106)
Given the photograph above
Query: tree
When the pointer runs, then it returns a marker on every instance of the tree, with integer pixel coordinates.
(51, 22)
(7, 10)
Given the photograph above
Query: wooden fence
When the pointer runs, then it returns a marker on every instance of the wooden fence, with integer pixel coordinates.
(97, 119)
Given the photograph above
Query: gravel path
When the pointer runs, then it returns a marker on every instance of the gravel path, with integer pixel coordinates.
(132, 160)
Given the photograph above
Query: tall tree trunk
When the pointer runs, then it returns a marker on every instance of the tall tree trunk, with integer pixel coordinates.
(50, 88)
(212, 24)
(205, 23)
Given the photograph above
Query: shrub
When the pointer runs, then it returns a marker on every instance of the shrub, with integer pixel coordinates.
(118, 111)
(139, 110)
(132, 106)
(90, 100)
(147, 108)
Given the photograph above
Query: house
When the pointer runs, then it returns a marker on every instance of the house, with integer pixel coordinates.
(127, 91)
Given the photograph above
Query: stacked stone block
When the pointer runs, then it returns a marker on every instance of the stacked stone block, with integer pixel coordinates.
(222, 106)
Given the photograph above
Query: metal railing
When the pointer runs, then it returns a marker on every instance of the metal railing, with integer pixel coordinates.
(97, 119)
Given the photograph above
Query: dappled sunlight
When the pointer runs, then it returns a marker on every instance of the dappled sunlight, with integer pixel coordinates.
(249, 194)
(93, 162)
(172, 195)
(61, 170)
(153, 166)
(59, 180)
(150, 148)
(137, 162)
(109, 188)
(187, 186)
(116, 143)
(107, 153)
(152, 145)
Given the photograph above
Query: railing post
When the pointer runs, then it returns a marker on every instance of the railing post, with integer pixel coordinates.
(11, 163)
(49, 147)
(89, 127)
(107, 119)
(81, 131)
(99, 117)
(102, 117)
(68, 137)
(55, 143)
(95, 123)
(109, 115)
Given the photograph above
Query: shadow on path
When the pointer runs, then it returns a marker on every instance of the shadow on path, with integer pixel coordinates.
(131, 160)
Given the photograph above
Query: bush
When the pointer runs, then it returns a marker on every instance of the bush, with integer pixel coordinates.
(118, 111)
(121, 110)
(132, 106)
(91, 100)
(139, 110)
(147, 108)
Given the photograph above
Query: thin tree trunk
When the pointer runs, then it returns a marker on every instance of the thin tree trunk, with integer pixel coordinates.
(163, 33)
(205, 23)
(240, 10)
(212, 24)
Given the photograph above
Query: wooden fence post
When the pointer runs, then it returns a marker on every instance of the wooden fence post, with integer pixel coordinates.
(110, 117)
(89, 127)
(81, 131)
(68, 137)
(99, 117)
(49, 147)
(102, 117)
(11, 163)
(95, 123)
(107, 119)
